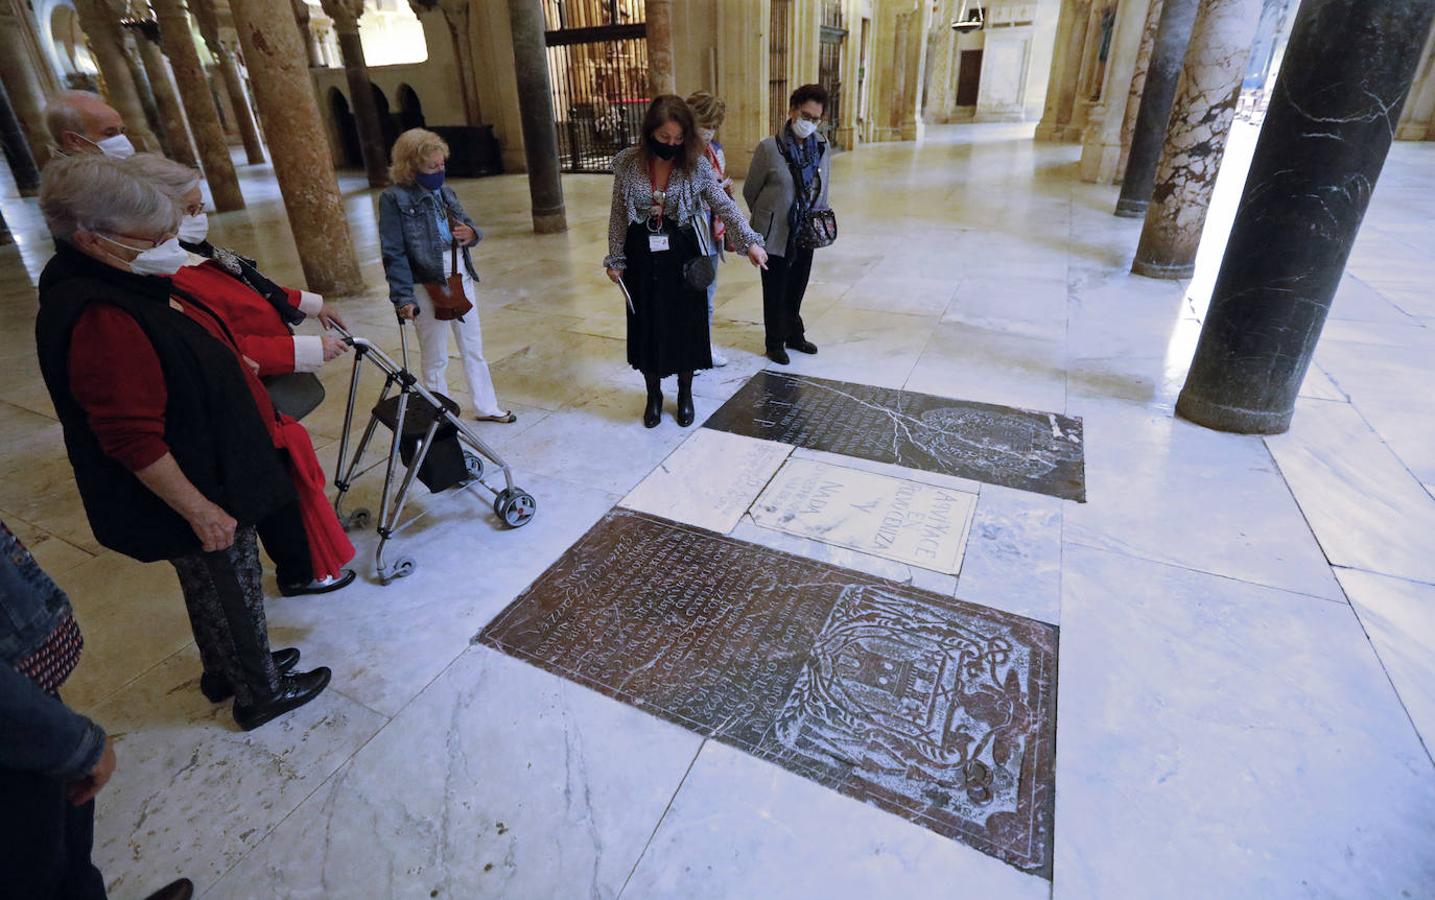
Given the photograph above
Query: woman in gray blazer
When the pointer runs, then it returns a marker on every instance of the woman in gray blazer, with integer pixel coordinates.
(776, 204)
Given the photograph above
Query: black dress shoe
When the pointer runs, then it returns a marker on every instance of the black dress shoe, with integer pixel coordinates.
(686, 413)
(319, 585)
(802, 345)
(778, 355)
(294, 691)
(218, 688)
(653, 412)
(182, 889)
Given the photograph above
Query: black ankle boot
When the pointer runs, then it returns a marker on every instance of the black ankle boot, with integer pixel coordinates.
(294, 691)
(778, 354)
(653, 412)
(685, 399)
(217, 688)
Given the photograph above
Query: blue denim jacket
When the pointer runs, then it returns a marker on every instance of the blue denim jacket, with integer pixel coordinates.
(414, 253)
(38, 733)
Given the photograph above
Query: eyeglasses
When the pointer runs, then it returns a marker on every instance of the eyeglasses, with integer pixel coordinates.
(194, 209)
(815, 120)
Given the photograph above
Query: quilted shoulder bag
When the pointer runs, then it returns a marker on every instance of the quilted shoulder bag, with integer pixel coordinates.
(816, 228)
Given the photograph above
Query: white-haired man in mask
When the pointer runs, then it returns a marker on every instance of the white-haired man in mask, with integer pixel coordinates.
(82, 122)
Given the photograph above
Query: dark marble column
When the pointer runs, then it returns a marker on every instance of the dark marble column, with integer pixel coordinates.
(5, 236)
(1346, 74)
(372, 146)
(1162, 75)
(535, 109)
(17, 149)
(1138, 85)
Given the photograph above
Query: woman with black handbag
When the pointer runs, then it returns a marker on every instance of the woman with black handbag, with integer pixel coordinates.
(786, 190)
(659, 250)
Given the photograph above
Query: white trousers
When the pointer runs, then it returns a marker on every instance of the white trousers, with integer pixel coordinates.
(433, 349)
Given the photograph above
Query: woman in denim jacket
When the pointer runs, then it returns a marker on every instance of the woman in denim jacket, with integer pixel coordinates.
(419, 218)
(53, 761)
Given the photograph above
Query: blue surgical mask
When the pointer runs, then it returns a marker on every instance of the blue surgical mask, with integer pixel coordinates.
(429, 181)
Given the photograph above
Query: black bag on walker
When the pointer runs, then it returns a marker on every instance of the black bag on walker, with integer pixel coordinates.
(444, 466)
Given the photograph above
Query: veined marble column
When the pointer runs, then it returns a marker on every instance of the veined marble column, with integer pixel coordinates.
(659, 15)
(298, 146)
(1061, 72)
(1149, 134)
(1214, 68)
(166, 96)
(535, 111)
(1138, 85)
(21, 79)
(1102, 142)
(372, 147)
(1418, 123)
(178, 43)
(5, 236)
(1347, 71)
(17, 149)
(211, 16)
(102, 26)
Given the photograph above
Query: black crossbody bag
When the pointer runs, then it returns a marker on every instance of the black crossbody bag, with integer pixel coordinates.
(816, 228)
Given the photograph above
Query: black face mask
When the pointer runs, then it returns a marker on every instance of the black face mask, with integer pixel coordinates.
(664, 151)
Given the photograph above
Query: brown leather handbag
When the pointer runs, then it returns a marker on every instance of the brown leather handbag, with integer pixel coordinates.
(448, 299)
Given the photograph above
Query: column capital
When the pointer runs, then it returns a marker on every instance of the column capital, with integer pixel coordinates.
(345, 13)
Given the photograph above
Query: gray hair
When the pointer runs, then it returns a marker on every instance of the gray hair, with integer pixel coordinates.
(66, 112)
(175, 179)
(95, 193)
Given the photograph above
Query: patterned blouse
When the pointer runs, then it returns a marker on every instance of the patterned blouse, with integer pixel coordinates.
(688, 196)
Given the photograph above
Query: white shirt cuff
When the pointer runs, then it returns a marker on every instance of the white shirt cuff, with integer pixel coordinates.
(310, 304)
(308, 353)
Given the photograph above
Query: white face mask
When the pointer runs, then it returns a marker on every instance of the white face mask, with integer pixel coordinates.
(194, 229)
(164, 259)
(803, 129)
(115, 147)
(707, 134)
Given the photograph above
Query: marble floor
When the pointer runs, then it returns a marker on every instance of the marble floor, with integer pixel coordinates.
(1245, 684)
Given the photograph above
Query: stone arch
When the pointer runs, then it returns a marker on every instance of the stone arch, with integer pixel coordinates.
(348, 131)
(64, 42)
(411, 110)
(388, 122)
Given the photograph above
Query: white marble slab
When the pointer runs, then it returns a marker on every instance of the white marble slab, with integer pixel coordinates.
(1399, 617)
(992, 366)
(192, 794)
(1365, 507)
(740, 827)
(710, 480)
(499, 780)
(1013, 558)
(903, 520)
(1216, 739)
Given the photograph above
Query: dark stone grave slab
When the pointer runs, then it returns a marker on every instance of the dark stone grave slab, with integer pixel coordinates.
(1018, 448)
(936, 710)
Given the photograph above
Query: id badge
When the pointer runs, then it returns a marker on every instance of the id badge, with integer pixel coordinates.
(657, 243)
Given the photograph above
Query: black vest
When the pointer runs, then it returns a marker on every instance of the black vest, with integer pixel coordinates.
(212, 426)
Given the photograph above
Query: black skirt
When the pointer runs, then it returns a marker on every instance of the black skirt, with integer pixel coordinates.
(668, 325)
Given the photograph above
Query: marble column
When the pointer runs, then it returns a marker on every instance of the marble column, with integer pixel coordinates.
(172, 120)
(211, 15)
(1065, 67)
(1138, 85)
(456, 14)
(178, 43)
(102, 26)
(17, 149)
(1201, 116)
(279, 69)
(1088, 81)
(1149, 134)
(659, 15)
(311, 42)
(140, 77)
(5, 236)
(21, 78)
(1347, 72)
(372, 146)
(535, 111)
(1418, 123)
(1102, 142)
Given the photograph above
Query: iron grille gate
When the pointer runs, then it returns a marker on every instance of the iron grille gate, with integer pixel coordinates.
(779, 43)
(829, 67)
(598, 64)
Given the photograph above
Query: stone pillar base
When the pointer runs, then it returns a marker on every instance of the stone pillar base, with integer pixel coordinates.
(1413, 131)
(1219, 417)
(1131, 209)
(1162, 271)
(550, 222)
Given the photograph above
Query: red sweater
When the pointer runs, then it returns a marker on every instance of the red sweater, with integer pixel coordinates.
(263, 336)
(116, 378)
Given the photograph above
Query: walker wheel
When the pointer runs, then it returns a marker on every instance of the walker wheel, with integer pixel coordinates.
(357, 520)
(515, 507)
(402, 568)
(473, 463)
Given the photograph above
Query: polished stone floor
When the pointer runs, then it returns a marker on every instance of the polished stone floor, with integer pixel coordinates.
(1245, 691)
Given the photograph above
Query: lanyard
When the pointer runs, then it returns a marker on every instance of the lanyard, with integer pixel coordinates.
(660, 199)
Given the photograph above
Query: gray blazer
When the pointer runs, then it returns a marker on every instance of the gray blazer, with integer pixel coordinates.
(770, 193)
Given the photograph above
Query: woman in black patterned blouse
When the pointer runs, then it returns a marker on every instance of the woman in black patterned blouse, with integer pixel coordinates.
(659, 191)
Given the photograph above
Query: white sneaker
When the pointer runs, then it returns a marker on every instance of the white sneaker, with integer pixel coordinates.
(719, 360)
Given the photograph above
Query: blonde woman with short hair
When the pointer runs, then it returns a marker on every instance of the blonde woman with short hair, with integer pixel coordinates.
(419, 219)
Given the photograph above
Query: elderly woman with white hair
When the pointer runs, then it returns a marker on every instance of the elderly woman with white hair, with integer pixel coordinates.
(305, 539)
(163, 421)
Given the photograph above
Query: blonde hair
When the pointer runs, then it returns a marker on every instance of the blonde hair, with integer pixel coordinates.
(410, 150)
(708, 110)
